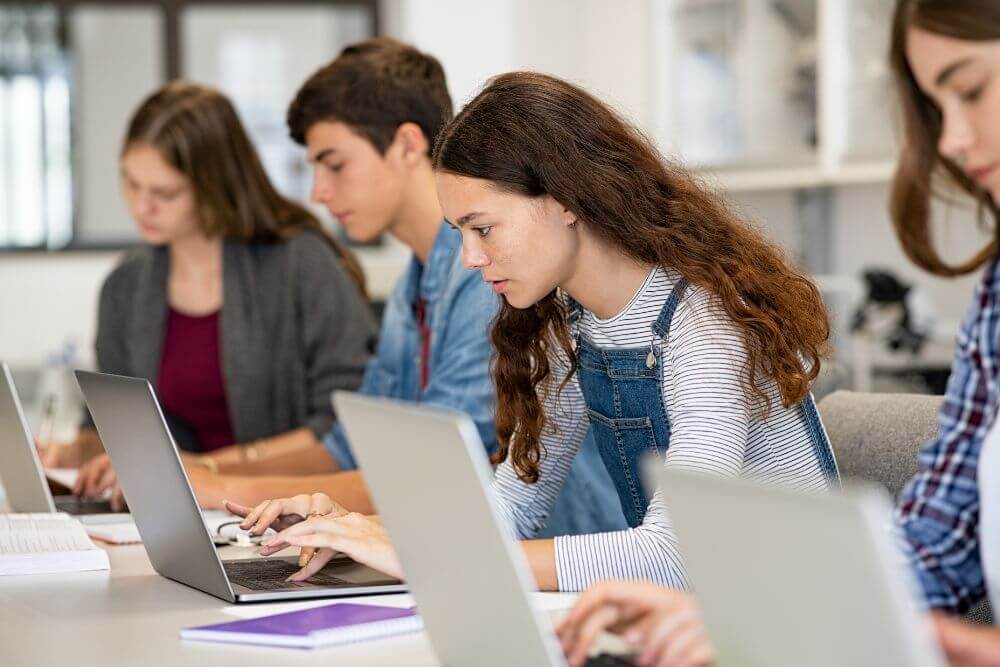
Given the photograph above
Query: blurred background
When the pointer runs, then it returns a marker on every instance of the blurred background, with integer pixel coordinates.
(784, 106)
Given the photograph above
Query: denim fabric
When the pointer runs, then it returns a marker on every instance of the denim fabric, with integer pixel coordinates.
(624, 395)
(459, 309)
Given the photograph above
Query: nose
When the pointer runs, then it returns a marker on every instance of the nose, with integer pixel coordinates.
(321, 189)
(473, 256)
(957, 136)
(144, 204)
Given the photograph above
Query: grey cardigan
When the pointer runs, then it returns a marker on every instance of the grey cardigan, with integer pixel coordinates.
(293, 328)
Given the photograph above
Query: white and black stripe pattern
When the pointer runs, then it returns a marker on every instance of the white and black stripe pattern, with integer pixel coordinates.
(714, 430)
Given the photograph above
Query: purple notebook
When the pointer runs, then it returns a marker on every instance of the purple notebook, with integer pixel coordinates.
(338, 623)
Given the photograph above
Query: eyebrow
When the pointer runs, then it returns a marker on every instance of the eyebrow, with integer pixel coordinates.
(467, 218)
(947, 72)
(323, 154)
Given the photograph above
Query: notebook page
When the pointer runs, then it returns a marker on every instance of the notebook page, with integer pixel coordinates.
(41, 533)
(46, 543)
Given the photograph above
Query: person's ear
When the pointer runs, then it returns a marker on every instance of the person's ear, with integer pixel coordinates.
(570, 217)
(412, 143)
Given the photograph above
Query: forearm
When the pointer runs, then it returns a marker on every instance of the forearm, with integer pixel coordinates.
(264, 449)
(312, 460)
(646, 553)
(347, 488)
(541, 555)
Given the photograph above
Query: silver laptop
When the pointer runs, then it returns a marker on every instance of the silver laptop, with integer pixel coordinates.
(21, 472)
(785, 579)
(430, 481)
(149, 468)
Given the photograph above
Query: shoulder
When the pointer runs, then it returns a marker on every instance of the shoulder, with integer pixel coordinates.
(132, 265)
(312, 260)
(982, 323)
(308, 246)
(701, 319)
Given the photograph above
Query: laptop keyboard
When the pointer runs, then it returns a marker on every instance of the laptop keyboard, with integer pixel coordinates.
(265, 574)
(76, 505)
(609, 660)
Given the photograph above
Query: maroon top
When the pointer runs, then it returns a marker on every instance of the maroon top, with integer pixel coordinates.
(191, 386)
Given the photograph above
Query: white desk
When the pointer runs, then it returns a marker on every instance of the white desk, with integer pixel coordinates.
(132, 616)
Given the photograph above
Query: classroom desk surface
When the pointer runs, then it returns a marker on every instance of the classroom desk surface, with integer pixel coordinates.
(132, 616)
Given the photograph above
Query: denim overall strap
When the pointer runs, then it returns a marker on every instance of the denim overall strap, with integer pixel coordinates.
(661, 327)
(820, 441)
(623, 391)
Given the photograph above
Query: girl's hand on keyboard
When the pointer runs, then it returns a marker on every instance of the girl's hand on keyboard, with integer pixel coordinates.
(663, 625)
(284, 512)
(361, 537)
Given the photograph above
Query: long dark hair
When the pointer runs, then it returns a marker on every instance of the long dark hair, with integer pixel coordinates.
(196, 130)
(920, 162)
(534, 135)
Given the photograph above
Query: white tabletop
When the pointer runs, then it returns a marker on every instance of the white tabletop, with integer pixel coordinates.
(132, 616)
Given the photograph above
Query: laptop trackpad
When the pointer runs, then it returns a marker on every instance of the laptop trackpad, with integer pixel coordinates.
(358, 574)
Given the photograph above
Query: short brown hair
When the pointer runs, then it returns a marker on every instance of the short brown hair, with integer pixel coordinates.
(374, 87)
(920, 162)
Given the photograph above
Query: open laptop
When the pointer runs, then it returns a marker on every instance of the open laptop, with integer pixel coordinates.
(786, 579)
(165, 510)
(21, 472)
(426, 470)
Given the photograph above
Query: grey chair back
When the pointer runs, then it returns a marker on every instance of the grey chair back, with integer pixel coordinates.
(876, 437)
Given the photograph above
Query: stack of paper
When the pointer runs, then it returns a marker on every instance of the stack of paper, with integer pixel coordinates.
(45, 544)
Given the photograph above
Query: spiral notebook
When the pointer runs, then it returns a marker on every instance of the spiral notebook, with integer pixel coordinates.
(339, 623)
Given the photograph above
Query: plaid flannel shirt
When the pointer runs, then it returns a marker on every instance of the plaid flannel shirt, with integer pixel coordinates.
(938, 513)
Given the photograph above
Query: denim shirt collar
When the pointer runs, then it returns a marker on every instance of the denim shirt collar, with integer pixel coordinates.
(426, 281)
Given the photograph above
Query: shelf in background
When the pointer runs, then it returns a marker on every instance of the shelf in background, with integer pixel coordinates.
(792, 178)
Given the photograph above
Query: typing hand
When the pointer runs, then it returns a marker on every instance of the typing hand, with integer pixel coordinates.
(361, 537)
(281, 513)
(284, 512)
(663, 625)
(96, 476)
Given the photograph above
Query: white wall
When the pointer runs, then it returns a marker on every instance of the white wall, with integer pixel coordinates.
(47, 300)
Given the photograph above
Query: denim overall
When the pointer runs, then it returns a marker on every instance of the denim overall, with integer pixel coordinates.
(624, 397)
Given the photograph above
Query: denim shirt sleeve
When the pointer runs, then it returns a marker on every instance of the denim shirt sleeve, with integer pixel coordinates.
(459, 377)
(380, 378)
(937, 519)
(460, 371)
(335, 440)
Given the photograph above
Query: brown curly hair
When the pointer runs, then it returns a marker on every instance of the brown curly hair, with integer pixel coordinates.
(535, 135)
(920, 162)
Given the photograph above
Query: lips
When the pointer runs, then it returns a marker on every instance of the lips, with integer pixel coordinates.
(497, 285)
(981, 173)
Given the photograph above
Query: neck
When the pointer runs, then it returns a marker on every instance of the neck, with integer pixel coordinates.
(196, 256)
(604, 279)
(418, 220)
